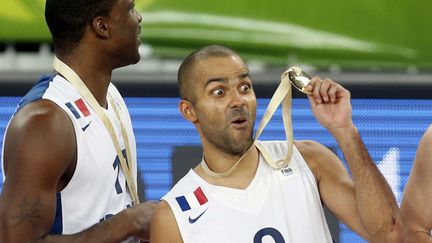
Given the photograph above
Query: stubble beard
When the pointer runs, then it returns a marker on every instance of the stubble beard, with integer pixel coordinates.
(225, 138)
(224, 141)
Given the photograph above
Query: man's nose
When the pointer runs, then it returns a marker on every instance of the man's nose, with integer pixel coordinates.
(237, 100)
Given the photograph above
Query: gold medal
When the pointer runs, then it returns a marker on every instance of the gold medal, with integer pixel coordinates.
(299, 79)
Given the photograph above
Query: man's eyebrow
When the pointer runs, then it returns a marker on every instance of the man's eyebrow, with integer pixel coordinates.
(217, 79)
(245, 74)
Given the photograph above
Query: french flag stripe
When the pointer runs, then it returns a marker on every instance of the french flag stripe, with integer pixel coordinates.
(192, 200)
(199, 194)
(73, 110)
(82, 107)
(184, 205)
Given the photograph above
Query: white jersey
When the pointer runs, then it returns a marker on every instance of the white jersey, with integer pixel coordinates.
(279, 206)
(97, 189)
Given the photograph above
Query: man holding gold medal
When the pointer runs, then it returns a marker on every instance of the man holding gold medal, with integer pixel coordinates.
(69, 153)
(247, 190)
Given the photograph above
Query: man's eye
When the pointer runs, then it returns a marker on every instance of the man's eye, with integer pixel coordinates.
(218, 92)
(245, 87)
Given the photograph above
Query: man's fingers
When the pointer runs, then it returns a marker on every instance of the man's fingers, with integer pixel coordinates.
(316, 83)
(325, 86)
(332, 92)
(323, 91)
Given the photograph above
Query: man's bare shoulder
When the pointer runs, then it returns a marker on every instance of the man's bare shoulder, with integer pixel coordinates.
(424, 152)
(427, 136)
(318, 157)
(38, 113)
(310, 150)
(43, 130)
(163, 221)
(40, 120)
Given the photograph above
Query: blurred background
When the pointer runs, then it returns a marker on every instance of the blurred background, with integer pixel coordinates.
(380, 50)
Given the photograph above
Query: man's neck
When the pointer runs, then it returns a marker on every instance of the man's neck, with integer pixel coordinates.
(94, 75)
(220, 162)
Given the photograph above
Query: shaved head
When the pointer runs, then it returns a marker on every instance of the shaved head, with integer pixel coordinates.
(186, 74)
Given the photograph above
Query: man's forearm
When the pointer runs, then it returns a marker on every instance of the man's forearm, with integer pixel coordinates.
(116, 229)
(376, 203)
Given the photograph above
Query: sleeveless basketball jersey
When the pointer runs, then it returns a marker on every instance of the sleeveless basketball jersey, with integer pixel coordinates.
(279, 206)
(97, 190)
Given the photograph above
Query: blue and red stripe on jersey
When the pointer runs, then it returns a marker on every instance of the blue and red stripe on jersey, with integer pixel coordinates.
(192, 200)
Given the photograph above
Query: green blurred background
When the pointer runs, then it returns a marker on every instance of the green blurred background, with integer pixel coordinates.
(355, 35)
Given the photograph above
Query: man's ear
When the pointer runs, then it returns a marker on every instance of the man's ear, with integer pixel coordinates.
(100, 27)
(187, 110)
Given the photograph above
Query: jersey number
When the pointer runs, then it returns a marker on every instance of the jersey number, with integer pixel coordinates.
(116, 166)
(272, 232)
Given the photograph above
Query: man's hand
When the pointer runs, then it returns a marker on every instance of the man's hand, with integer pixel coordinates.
(369, 204)
(330, 103)
(141, 215)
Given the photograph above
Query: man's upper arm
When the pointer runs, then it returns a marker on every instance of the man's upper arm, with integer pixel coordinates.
(417, 200)
(39, 148)
(337, 189)
(334, 183)
(163, 228)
